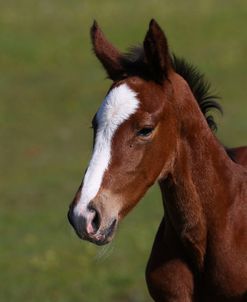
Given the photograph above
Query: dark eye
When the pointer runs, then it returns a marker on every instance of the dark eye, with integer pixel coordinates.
(144, 132)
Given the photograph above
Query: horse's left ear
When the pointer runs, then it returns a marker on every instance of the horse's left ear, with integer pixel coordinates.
(107, 54)
(157, 52)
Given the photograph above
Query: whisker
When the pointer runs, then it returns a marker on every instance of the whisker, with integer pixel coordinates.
(104, 252)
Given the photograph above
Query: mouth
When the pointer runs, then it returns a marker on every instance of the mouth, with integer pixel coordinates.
(102, 237)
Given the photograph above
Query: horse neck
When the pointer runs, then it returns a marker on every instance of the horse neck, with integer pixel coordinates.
(201, 172)
(198, 187)
(201, 166)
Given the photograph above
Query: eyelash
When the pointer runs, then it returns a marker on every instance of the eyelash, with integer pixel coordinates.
(144, 132)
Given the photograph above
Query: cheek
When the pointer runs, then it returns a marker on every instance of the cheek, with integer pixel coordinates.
(133, 168)
(124, 167)
(126, 155)
(152, 161)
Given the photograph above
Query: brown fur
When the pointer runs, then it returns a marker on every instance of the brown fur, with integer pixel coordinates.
(199, 253)
(239, 155)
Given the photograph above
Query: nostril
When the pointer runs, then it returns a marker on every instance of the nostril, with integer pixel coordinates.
(93, 221)
(96, 221)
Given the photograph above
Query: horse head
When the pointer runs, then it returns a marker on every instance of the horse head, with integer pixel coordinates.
(135, 134)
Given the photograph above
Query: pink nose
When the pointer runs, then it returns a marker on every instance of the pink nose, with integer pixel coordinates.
(87, 223)
(92, 221)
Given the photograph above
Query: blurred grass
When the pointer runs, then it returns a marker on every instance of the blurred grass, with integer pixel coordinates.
(50, 86)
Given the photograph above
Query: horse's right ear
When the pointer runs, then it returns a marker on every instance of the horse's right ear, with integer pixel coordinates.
(157, 52)
(108, 55)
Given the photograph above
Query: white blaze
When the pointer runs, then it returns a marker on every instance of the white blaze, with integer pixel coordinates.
(117, 107)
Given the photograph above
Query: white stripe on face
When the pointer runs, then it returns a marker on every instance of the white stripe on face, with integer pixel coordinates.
(116, 108)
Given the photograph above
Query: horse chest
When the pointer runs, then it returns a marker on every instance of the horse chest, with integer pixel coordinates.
(225, 268)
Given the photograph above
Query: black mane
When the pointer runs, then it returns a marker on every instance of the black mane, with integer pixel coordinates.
(134, 63)
(200, 88)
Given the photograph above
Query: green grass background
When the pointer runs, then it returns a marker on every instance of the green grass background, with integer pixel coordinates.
(50, 86)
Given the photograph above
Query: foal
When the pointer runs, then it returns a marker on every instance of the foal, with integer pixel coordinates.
(149, 128)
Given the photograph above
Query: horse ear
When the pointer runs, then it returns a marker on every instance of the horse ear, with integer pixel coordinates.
(157, 52)
(108, 55)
